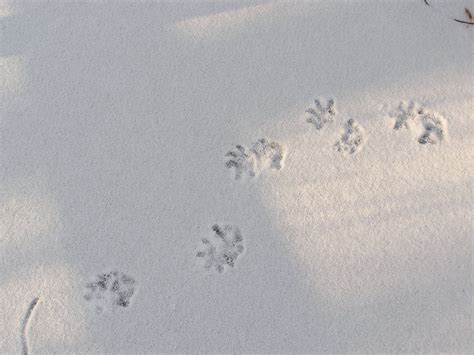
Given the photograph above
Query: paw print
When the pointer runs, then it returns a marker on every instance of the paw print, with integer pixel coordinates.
(429, 127)
(241, 161)
(434, 128)
(270, 152)
(352, 139)
(262, 155)
(224, 249)
(407, 113)
(320, 115)
(110, 289)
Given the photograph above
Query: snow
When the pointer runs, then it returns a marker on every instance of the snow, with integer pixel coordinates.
(120, 211)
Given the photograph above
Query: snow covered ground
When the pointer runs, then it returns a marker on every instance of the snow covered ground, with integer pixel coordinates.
(236, 176)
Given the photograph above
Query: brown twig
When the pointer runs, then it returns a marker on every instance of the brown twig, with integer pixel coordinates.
(466, 11)
(467, 23)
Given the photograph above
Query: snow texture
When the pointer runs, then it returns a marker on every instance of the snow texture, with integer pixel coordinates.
(126, 125)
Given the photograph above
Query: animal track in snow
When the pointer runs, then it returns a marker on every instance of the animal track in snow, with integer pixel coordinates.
(268, 153)
(352, 138)
(223, 250)
(262, 155)
(320, 115)
(241, 160)
(429, 127)
(434, 127)
(111, 289)
(407, 113)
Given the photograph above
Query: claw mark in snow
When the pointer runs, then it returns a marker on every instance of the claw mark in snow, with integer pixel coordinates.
(24, 325)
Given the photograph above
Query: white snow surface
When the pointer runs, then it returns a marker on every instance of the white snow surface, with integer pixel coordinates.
(352, 236)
